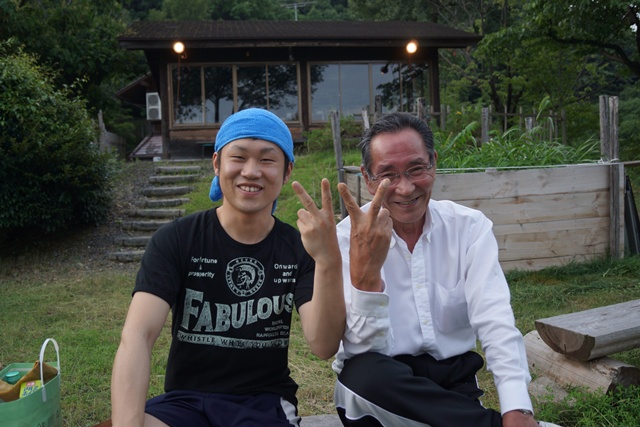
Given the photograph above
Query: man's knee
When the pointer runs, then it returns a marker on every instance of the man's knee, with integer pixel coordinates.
(371, 370)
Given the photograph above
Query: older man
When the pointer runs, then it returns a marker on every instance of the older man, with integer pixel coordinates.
(422, 282)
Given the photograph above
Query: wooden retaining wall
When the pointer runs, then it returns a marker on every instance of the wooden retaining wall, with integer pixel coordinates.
(541, 217)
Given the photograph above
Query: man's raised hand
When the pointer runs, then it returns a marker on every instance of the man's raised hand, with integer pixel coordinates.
(317, 226)
(370, 238)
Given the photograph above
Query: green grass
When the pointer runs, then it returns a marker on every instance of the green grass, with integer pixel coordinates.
(85, 310)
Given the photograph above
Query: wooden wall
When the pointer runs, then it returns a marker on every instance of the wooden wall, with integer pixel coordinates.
(541, 217)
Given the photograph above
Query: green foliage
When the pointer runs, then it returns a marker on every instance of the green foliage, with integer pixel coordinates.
(584, 409)
(629, 120)
(322, 139)
(513, 148)
(604, 28)
(192, 10)
(335, 10)
(51, 173)
(78, 38)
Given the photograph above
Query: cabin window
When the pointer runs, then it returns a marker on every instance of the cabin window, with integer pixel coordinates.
(208, 94)
(352, 87)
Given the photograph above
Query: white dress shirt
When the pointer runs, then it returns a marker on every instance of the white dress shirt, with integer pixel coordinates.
(438, 299)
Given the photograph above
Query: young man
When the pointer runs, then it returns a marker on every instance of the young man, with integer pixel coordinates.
(231, 276)
(422, 283)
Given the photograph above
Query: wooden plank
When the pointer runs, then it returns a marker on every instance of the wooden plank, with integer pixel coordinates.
(555, 207)
(534, 264)
(337, 146)
(522, 182)
(549, 226)
(589, 334)
(584, 242)
(598, 376)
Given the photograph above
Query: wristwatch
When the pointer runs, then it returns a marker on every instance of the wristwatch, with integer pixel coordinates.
(525, 411)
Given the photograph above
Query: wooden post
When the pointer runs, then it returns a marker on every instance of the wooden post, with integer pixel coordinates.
(528, 123)
(520, 118)
(505, 122)
(337, 146)
(563, 117)
(609, 153)
(485, 125)
(604, 128)
(365, 119)
(377, 111)
(421, 108)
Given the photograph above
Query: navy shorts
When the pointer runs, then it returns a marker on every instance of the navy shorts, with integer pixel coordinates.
(194, 409)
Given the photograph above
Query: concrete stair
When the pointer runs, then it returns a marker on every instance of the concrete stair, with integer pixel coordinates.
(160, 203)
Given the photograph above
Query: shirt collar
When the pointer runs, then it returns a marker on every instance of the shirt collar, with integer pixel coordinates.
(426, 229)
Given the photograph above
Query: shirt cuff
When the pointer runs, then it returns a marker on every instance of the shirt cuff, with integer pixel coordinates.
(369, 303)
(513, 395)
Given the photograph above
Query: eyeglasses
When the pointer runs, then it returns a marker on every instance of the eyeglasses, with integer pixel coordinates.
(413, 174)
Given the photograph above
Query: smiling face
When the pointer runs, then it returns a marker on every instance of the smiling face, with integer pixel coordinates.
(397, 152)
(252, 173)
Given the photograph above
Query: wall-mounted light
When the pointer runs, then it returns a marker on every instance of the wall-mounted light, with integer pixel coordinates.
(178, 47)
(412, 47)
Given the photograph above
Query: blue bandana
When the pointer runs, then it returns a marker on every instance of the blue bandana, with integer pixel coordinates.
(252, 123)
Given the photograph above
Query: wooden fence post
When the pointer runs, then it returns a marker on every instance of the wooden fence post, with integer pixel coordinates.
(609, 153)
(421, 108)
(528, 123)
(337, 146)
(605, 125)
(365, 119)
(443, 116)
(377, 110)
(563, 118)
(505, 122)
(485, 125)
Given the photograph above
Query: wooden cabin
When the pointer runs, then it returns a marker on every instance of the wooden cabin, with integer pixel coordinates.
(299, 70)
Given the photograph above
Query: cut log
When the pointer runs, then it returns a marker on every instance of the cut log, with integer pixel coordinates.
(589, 334)
(603, 374)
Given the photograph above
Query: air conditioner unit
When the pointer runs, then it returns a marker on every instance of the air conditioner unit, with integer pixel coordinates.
(153, 106)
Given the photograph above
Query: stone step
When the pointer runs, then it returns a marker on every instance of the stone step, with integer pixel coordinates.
(133, 241)
(143, 225)
(167, 191)
(162, 203)
(126, 256)
(177, 169)
(157, 213)
(172, 179)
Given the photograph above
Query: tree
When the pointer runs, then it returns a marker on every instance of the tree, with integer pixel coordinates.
(52, 174)
(608, 28)
(192, 10)
(79, 39)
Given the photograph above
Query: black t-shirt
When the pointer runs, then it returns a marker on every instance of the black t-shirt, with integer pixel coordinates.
(231, 304)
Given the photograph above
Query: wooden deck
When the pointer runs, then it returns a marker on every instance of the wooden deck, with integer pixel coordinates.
(149, 147)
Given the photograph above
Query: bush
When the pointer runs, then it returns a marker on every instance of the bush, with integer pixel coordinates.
(319, 140)
(52, 174)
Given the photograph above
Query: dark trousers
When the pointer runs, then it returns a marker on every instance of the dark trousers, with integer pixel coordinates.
(375, 390)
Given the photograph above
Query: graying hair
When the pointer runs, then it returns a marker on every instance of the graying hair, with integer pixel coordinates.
(394, 123)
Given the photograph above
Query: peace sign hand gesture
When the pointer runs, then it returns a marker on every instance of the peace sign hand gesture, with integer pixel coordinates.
(318, 226)
(370, 238)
